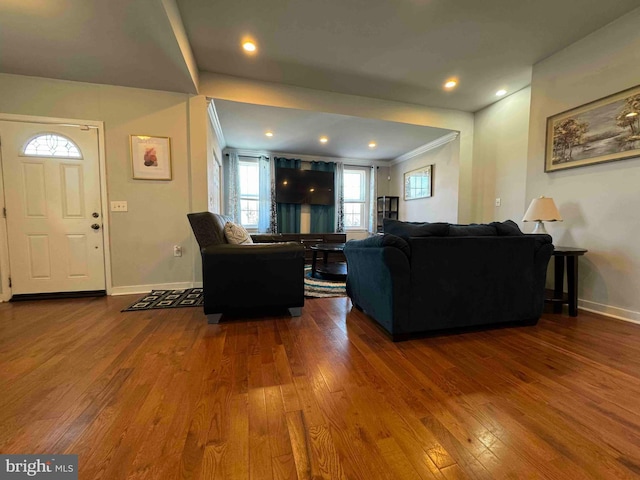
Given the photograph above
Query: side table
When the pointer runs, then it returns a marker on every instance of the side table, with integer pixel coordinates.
(571, 255)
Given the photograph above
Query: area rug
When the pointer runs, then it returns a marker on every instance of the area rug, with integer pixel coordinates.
(316, 288)
(187, 297)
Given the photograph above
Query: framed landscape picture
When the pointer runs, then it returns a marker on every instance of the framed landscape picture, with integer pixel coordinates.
(150, 157)
(602, 131)
(417, 183)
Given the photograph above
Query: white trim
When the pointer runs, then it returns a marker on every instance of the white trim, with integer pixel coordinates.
(137, 289)
(438, 142)
(308, 158)
(610, 311)
(215, 123)
(104, 197)
(365, 202)
(102, 168)
(5, 296)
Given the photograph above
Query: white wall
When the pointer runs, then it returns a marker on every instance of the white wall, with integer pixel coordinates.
(500, 144)
(142, 239)
(599, 203)
(442, 206)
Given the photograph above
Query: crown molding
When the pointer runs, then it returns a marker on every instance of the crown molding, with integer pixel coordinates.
(215, 122)
(438, 142)
(243, 152)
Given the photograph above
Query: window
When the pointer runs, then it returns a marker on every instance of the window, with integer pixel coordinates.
(356, 193)
(51, 145)
(249, 191)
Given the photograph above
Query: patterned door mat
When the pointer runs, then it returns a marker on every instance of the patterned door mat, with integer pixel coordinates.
(188, 297)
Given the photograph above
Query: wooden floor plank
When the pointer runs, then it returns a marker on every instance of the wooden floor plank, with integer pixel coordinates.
(162, 394)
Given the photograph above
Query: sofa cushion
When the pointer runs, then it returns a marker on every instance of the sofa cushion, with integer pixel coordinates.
(406, 230)
(472, 230)
(508, 228)
(236, 234)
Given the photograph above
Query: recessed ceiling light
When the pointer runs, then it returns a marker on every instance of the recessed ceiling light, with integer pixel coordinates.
(501, 92)
(249, 46)
(372, 145)
(269, 134)
(632, 114)
(324, 139)
(312, 189)
(450, 84)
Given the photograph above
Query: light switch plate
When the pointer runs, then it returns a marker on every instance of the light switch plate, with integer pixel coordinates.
(119, 206)
(498, 202)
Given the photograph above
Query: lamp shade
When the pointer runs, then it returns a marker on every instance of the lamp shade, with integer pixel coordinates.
(542, 209)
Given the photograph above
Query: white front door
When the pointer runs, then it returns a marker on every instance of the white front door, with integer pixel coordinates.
(54, 219)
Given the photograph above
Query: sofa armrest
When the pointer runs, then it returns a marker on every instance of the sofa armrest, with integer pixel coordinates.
(543, 250)
(267, 238)
(379, 241)
(378, 278)
(254, 250)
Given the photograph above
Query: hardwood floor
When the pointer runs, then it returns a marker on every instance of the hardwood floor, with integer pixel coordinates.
(163, 395)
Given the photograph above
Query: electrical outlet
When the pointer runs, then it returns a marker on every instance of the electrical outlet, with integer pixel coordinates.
(120, 206)
(498, 202)
(177, 251)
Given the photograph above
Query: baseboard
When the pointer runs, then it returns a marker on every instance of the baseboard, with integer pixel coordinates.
(609, 311)
(135, 289)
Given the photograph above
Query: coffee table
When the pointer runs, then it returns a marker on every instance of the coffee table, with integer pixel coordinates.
(337, 270)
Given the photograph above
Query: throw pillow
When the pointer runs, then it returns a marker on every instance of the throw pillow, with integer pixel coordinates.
(508, 228)
(236, 234)
(473, 230)
(406, 230)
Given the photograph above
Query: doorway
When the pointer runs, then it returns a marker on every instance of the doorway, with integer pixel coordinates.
(53, 208)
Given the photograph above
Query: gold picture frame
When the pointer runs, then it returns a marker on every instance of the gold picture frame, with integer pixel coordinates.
(150, 157)
(605, 130)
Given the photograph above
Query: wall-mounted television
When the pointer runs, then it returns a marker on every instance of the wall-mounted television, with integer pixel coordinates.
(304, 186)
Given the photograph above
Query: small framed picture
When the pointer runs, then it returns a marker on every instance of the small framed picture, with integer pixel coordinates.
(150, 157)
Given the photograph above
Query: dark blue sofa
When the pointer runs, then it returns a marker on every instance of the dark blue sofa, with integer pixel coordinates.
(428, 277)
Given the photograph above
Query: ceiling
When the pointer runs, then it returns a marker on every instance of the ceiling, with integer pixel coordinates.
(401, 50)
(114, 42)
(298, 131)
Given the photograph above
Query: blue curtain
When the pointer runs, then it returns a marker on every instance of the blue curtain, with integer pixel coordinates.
(288, 214)
(323, 217)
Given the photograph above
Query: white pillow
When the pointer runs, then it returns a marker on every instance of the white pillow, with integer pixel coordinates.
(236, 234)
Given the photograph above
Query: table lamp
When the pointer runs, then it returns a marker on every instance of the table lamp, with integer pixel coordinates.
(542, 209)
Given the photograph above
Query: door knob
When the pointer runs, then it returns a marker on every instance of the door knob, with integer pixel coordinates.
(95, 226)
